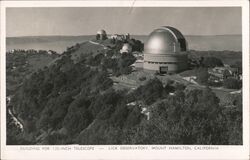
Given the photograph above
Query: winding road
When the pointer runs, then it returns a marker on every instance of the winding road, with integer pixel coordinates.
(14, 118)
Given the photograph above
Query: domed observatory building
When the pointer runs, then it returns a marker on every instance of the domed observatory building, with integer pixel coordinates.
(126, 48)
(101, 35)
(164, 51)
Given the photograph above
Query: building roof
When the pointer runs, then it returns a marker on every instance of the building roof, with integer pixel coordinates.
(101, 32)
(126, 48)
(165, 39)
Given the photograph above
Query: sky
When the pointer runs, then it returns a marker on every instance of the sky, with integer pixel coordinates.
(136, 21)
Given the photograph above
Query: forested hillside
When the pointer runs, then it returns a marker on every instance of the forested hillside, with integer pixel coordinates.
(20, 64)
(74, 102)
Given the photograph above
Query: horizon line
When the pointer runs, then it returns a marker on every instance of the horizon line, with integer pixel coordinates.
(119, 34)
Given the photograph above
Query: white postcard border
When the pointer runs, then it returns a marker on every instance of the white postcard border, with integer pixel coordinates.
(108, 151)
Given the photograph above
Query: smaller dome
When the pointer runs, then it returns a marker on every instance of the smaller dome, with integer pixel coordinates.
(126, 48)
(103, 32)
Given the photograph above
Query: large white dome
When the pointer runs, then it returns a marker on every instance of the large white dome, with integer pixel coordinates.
(164, 51)
(126, 48)
(165, 40)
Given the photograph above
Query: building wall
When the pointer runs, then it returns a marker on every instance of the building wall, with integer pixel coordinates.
(175, 62)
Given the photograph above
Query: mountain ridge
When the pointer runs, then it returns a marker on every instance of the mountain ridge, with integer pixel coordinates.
(36, 36)
(60, 43)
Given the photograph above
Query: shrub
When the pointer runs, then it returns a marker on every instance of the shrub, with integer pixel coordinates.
(212, 62)
(202, 76)
(232, 83)
(150, 92)
(142, 78)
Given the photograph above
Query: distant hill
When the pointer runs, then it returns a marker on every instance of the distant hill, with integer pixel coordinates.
(56, 43)
(41, 39)
(60, 43)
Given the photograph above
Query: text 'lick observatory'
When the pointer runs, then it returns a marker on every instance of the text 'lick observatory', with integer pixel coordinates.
(165, 51)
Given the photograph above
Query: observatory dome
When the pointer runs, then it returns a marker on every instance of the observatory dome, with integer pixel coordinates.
(164, 40)
(101, 35)
(126, 48)
(164, 51)
(103, 32)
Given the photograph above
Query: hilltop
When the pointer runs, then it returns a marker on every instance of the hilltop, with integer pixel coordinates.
(76, 100)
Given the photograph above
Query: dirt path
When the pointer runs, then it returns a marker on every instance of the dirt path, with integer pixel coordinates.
(16, 121)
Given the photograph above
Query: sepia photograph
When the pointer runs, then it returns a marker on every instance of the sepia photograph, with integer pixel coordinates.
(121, 76)
(110, 75)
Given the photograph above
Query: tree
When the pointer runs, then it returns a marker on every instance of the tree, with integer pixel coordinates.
(126, 60)
(109, 63)
(237, 65)
(119, 116)
(150, 92)
(202, 75)
(232, 83)
(101, 81)
(123, 64)
(136, 45)
(226, 74)
(212, 62)
(95, 60)
(233, 119)
(196, 120)
(134, 117)
(78, 117)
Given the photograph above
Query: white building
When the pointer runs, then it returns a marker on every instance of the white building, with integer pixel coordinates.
(126, 48)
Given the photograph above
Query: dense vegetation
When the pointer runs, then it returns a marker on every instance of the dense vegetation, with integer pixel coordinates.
(227, 57)
(94, 113)
(20, 64)
(74, 102)
(201, 62)
(232, 83)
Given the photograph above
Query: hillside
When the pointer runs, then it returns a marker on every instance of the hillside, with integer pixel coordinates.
(21, 64)
(75, 101)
